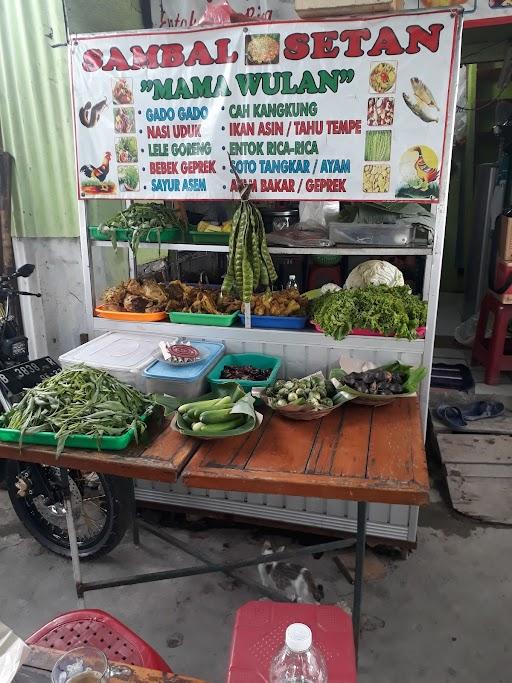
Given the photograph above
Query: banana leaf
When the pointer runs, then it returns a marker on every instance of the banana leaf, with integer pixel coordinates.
(414, 376)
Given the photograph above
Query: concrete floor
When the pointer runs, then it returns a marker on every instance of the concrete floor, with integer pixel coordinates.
(441, 616)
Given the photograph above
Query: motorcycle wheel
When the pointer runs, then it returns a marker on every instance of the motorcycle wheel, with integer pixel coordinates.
(101, 507)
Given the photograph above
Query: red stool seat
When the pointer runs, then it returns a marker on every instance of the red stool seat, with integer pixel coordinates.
(98, 629)
(493, 353)
(259, 633)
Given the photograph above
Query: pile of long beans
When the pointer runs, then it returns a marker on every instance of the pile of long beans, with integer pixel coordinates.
(250, 265)
(80, 400)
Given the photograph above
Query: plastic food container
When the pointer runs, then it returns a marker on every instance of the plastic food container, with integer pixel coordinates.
(123, 354)
(209, 237)
(169, 234)
(257, 360)
(371, 234)
(186, 381)
(277, 322)
(216, 319)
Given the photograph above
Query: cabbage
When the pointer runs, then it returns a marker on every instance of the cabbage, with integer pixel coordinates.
(374, 273)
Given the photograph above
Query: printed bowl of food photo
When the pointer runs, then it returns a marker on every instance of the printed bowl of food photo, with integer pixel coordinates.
(126, 149)
(376, 178)
(122, 92)
(383, 77)
(128, 177)
(262, 49)
(124, 120)
(381, 111)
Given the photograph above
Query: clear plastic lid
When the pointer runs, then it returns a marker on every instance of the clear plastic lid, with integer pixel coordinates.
(115, 351)
(298, 637)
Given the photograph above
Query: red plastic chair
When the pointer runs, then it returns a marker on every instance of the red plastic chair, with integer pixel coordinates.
(259, 633)
(98, 629)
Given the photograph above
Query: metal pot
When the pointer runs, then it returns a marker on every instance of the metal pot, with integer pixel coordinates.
(279, 219)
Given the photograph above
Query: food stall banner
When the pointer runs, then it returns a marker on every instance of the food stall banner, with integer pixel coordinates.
(336, 109)
(183, 13)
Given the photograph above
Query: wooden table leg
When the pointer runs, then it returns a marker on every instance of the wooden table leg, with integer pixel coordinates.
(73, 544)
(135, 523)
(362, 509)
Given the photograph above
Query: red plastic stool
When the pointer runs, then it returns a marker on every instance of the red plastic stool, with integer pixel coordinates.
(98, 629)
(259, 633)
(493, 353)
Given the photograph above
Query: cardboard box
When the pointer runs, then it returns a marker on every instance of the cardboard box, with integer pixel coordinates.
(502, 274)
(333, 8)
(505, 250)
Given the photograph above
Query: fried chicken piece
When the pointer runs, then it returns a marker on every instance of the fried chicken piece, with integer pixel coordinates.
(114, 296)
(134, 287)
(118, 308)
(155, 292)
(154, 308)
(136, 304)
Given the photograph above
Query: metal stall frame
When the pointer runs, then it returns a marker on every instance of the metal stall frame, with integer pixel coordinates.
(302, 351)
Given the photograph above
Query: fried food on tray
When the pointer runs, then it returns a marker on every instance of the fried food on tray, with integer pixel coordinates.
(149, 296)
(287, 302)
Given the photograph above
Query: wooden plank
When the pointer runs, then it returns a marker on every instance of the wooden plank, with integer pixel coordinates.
(493, 425)
(41, 660)
(288, 443)
(161, 460)
(391, 446)
(474, 448)
(351, 456)
(485, 497)
(315, 460)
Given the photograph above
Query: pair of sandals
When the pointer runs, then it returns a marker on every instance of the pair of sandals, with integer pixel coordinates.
(457, 417)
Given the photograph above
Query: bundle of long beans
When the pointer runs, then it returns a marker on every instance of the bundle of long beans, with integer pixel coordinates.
(250, 265)
(80, 400)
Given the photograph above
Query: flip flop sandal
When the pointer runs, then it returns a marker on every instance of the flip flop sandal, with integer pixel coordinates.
(457, 417)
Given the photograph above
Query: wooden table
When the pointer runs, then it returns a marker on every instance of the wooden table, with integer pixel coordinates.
(37, 669)
(356, 453)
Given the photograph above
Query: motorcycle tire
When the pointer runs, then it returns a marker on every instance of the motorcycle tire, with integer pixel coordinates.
(50, 529)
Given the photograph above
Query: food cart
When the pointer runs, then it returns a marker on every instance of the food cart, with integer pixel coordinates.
(157, 113)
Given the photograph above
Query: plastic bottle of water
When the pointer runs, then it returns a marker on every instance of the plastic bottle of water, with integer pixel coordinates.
(298, 661)
(292, 283)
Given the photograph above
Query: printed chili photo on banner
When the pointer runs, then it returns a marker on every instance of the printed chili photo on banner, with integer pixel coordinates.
(122, 91)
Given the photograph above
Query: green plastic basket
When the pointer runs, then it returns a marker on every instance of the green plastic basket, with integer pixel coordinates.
(209, 237)
(167, 235)
(257, 360)
(327, 260)
(218, 320)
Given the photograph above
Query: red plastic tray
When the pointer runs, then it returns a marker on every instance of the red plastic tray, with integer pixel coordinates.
(259, 633)
(420, 331)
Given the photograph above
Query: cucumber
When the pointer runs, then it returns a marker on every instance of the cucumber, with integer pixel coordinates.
(196, 413)
(216, 416)
(220, 428)
(188, 420)
(204, 405)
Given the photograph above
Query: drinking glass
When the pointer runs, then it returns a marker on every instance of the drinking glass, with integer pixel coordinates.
(87, 665)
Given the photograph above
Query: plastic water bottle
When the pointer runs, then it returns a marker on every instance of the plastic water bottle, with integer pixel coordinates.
(292, 283)
(298, 661)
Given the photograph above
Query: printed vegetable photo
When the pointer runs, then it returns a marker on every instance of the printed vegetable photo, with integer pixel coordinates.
(126, 149)
(262, 49)
(122, 91)
(128, 177)
(419, 169)
(124, 119)
(378, 145)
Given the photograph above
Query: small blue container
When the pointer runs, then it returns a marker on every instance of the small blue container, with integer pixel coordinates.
(185, 381)
(276, 322)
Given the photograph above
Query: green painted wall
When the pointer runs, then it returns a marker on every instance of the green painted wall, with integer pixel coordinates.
(35, 108)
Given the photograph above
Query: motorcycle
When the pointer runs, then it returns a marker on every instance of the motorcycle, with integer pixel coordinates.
(101, 503)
